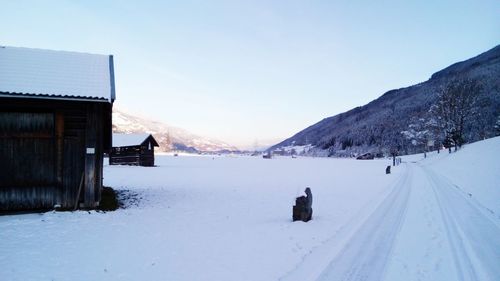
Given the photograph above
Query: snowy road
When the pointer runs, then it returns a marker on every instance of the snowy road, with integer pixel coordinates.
(365, 255)
(474, 235)
(462, 239)
(425, 229)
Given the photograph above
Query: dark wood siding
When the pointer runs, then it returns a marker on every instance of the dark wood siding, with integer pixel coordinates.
(27, 153)
(43, 152)
(140, 155)
(74, 147)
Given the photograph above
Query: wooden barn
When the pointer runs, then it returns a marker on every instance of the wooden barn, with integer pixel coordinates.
(55, 125)
(133, 149)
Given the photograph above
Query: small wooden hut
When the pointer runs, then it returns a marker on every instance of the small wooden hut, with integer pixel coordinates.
(55, 125)
(133, 149)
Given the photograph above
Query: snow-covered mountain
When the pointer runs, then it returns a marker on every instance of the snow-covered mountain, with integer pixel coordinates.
(378, 125)
(169, 137)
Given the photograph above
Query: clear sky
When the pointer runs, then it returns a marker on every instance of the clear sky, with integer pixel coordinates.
(247, 71)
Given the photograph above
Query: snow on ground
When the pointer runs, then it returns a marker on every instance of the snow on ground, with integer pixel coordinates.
(299, 149)
(427, 228)
(452, 224)
(480, 176)
(475, 170)
(198, 218)
(229, 218)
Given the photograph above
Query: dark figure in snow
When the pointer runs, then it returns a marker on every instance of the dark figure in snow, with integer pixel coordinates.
(302, 209)
(388, 170)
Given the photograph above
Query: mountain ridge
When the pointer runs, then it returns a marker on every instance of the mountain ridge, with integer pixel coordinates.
(371, 127)
(170, 138)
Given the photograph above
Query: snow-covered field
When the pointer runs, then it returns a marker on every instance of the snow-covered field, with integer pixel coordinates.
(229, 218)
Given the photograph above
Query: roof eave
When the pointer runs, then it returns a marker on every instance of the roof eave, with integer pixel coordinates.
(51, 97)
(112, 78)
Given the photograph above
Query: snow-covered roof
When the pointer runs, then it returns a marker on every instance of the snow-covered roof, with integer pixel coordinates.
(56, 74)
(120, 140)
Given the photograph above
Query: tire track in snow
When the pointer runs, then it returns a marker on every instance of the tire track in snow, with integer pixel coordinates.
(365, 255)
(473, 235)
(319, 258)
(421, 251)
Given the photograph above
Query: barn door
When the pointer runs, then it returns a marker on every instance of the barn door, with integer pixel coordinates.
(27, 160)
(74, 161)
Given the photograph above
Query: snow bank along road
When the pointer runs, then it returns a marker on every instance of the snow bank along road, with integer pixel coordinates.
(427, 228)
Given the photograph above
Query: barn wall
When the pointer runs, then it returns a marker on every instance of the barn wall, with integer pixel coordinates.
(27, 158)
(128, 155)
(147, 156)
(138, 155)
(44, 153)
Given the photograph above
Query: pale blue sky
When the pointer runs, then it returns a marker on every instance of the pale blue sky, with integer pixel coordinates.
(242, 71)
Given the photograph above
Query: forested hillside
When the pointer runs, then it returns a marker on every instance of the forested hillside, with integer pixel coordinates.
(400, 119)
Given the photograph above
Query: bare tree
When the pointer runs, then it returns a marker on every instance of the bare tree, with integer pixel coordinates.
(455, 109)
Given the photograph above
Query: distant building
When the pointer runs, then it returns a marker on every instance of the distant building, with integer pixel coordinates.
(366, 156)
(55, 125)
(279, 152)
(133, 149)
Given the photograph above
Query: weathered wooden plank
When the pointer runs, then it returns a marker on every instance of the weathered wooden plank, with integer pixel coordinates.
(26, 123)
(80, 185)
(34, 197)
(100, 136)
(90, 157)
(59, 147)
(73, 170)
